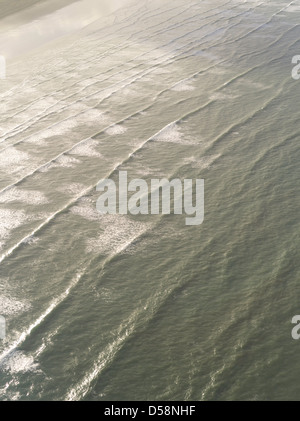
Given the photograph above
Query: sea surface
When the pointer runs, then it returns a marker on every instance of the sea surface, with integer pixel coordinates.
(123, 307)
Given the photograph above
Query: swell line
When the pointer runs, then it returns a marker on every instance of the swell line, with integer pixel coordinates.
(73, 201)
(263, 24)
(40, 319)
(93, 83)
(109, 50)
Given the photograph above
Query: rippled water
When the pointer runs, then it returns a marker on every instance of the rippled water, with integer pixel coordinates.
(145, 308)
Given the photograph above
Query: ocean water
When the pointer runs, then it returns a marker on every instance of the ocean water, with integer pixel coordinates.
(122, 307)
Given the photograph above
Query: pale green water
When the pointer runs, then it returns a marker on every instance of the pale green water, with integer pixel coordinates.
(145, 308)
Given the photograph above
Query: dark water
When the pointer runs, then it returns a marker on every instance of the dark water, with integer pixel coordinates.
(121, 307)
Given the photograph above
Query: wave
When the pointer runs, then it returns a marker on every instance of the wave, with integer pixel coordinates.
(22, 338)
(134, 67)
(72, 201)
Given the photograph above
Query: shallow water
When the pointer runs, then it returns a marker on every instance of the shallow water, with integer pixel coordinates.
(123, 307)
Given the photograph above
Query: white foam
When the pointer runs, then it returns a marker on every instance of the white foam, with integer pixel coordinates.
(9, 352)
(9, 220)
(86, 148)
(10, 305)
(117, 129)
(12, 156)
(56, 130)
(31, 240)
(31, 197)
(172, 134)
(86, 212)
(106, 294)
(19, 362)
(65, 161)
(119, 232)
(83, 116)
(183, 86)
